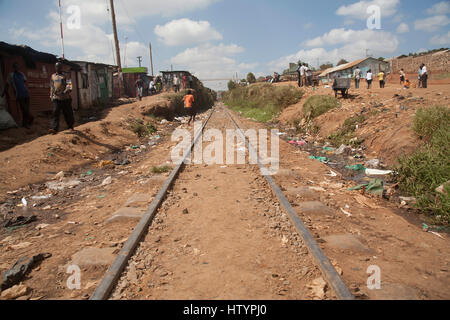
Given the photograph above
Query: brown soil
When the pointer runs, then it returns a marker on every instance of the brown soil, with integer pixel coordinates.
(388, 128)
(221, 249)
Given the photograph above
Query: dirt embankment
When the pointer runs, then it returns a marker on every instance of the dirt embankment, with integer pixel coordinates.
(387, 116)
(41, 158)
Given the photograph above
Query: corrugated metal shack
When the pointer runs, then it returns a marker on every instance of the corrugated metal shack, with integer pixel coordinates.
(38, 68)
(130, 76)
(95, 83)
(346, 70)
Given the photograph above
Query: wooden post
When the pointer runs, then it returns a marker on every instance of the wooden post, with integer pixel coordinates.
(151, 59)
(116, 40)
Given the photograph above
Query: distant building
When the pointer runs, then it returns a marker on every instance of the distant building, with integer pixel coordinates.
(130, 76)
(346, 70)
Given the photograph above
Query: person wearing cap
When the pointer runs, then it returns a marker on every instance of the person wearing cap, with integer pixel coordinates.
(60, 91)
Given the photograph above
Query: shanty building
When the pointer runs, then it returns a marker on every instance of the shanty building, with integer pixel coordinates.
(38, 68)
(130, 76)
(347, 70)
(95, 83)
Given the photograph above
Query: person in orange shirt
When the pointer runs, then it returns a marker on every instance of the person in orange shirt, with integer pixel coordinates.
(189, 106)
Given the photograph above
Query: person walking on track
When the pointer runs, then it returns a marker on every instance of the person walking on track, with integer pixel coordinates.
(60, 95)
(17, 81)
(140, 88)
(189, 106)
(357, 75)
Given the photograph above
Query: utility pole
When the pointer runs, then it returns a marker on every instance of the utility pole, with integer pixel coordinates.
(140, 60)
(116, 40)
(151, 58)
(61, 27)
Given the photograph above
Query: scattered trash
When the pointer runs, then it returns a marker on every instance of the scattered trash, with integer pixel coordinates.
(59, 176)
(373, 164)
(102, 196)
(343, 149)
(124, 162)
(359, 156)
(89, 173)
(408, 200)
(375, 186)
(164, 121)
(366, 202)
(19, 221)
(42, 226)
(436, 234)
(441, 188)
(376, 172)
(356, 167)
(425, 227)
(333, 174)
(107, 181)
(348, 214)
(24, 202)
(20, 269)
(57, 186)
(328, 149)
(321, 159)
(298, 143)
(280, 133)
(40, 198)
(135, 147)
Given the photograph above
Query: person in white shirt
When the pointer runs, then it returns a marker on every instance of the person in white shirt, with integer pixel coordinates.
(424, 76)
(357, 76)
(152, 87)
(303, 75)
(369, 78)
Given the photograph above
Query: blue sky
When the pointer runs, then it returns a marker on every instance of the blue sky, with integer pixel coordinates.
(217, 38)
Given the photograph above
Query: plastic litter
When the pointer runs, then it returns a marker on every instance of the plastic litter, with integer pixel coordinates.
(376, 172)
(321, 159)
(298, 143)
(373, 163)
(375, 186)
(328, 149)
(107, 181)
(348, 214)
(40, 198)
(356, 167)
(24, 202)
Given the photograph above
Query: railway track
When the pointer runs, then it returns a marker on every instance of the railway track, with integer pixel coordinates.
(115, 271)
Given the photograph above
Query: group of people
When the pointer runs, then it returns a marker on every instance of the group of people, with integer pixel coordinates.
(60, 95)
(357, 75)
(422, 78)
(305, 75)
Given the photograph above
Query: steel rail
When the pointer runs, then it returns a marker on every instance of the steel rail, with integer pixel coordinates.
(328, 271)
(109, 281)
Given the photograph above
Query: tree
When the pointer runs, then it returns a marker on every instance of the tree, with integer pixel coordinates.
(251, 78)
(341, 62)
(231, 85)
(326, 66)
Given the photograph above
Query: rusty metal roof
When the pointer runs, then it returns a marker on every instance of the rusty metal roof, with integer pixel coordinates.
(343, 67)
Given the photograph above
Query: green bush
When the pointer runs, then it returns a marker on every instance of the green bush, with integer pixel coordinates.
(346, 133)
(142, 130)
(317, 105)
(429, 167)
(262, 101)
(429, 120)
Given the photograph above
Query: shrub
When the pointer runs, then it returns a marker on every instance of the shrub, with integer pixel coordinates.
(142, 130)
(318, 105)
(159, 170)
(429, 167)
(262, 102)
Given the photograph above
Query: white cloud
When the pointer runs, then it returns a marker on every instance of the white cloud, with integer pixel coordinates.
(185, 31)
(349, 36)
(212, 61)
(439, 8)
(443, 40)
(348, 44)
(403, 28)
(432, 23)
(358, 10)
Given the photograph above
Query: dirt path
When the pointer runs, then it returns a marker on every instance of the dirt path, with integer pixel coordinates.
(220, 235)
